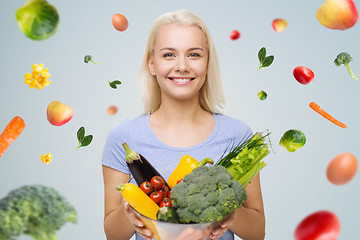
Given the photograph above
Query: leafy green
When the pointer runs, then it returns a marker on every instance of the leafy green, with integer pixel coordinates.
(82, 139)
(245, 160)
(265, 61)
(114, 83)
(37, 19)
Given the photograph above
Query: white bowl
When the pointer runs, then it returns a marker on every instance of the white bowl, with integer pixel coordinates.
(175, 231)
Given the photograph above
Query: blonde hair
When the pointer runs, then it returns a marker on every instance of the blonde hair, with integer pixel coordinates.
(211, 96)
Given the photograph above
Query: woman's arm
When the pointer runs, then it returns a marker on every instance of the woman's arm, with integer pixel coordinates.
(249, 220)
(116, 224)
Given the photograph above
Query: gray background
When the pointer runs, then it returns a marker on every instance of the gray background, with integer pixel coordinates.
(293, 184)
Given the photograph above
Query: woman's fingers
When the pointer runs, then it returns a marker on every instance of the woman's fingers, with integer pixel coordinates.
(136, 221)
(218, 232)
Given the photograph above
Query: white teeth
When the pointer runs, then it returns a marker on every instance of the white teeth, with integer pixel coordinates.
(181, 80)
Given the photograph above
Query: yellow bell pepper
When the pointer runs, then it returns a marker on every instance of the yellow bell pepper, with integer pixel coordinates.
(185, 166)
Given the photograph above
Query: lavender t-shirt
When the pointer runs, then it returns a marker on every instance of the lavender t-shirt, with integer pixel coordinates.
(138, 135)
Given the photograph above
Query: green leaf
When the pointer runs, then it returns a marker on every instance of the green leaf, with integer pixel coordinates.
(114, 83)
(262, 54)
(86, 141)
(80, 134)
(268, 61)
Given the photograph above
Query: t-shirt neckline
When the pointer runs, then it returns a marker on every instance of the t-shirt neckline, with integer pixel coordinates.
(164, 145)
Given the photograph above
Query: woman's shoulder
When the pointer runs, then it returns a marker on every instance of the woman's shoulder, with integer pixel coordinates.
(232, 123)
(128, 123)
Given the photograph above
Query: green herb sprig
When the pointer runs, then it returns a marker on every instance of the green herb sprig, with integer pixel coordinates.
(114, 83)
(265, 61)
(83, 140)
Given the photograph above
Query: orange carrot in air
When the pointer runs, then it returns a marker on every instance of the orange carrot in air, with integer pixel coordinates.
(10, 133)
(326, 115)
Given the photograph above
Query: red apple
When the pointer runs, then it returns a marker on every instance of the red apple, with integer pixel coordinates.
(337, 14)
(58, 113)
(279, 24)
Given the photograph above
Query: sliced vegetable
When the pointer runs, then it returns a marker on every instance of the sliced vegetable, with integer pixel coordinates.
(167, 214)
(244, 161)
(303, 75)
(139, 166)
(37, 19)
(265, 61)
(138, 200)
(185, 166)
(314, 106)
(293, 140)
(11, 132)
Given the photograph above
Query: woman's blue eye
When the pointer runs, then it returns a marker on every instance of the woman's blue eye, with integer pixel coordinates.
(194, 55)
(168, 55)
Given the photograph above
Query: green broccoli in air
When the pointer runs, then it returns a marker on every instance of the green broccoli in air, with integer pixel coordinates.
(207, 194)
(345, 58)
(36, 211)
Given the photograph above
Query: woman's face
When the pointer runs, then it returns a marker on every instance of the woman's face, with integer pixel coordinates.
(179, 61)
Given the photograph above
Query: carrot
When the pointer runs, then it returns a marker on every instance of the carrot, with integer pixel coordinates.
(326, 115)
(10, 133)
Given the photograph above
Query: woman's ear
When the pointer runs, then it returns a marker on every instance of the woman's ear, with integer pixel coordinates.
(151, 66)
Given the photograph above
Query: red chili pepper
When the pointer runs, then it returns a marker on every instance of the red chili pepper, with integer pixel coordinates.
(303, 75)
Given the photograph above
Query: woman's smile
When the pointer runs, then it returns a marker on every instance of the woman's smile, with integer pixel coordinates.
(181, 80)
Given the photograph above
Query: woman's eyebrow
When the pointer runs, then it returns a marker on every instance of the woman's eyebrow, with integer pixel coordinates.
(173, 49)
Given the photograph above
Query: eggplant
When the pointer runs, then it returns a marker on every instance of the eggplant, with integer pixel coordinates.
(140, 168)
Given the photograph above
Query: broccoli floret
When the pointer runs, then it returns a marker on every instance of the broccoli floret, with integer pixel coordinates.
(207, 194)
(345, 58)
(34, 210)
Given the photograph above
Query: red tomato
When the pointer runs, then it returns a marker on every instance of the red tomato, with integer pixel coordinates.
(147, 187)
(179, 181)
(166, 202)
(169, 194)
(318, 225)
(303, 75)
(120, 22)
(165, 190)
(234, 35)
(157, 196)
(157, 182)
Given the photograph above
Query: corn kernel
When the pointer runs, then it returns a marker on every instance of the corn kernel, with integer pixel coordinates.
(46, 158)
(38, 77)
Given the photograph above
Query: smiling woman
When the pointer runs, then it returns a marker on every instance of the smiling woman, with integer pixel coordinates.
(182, 94)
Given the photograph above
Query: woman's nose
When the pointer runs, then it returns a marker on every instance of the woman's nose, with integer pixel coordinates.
(182, 65)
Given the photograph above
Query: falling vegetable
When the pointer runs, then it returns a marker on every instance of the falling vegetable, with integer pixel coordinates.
(234, 35)
(293, 140)
(11, 132)
(262, 95)
(37, 19)
(46, 158)
(265, 61)
(88, 58)
(303, 75)
(83, 140)
(345, 58)
(326, 115)
(38, 77)
(114, 84)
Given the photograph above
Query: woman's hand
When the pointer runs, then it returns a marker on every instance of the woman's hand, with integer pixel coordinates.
(224, 226)
(135, 220)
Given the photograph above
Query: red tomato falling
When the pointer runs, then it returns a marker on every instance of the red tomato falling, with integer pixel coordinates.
(318, 225)
(234, 35)
(112, 110)
(303, 75)
(120, 22)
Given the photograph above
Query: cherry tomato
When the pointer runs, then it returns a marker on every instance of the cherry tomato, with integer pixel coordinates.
(165, 190)
(234, 35)
(179, 181)
(147, 187)
(157, 196)
(303, 75)
(120, 22)
(166, 202)
(318, 225)
(157, 182)
(169, 194)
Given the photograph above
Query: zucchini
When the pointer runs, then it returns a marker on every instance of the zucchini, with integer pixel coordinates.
(138, 200)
